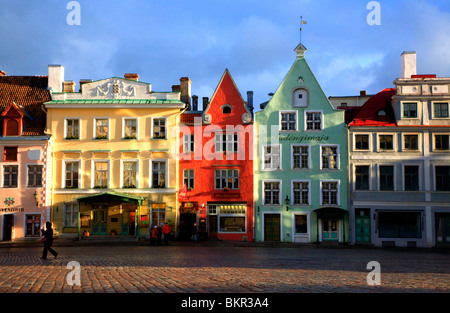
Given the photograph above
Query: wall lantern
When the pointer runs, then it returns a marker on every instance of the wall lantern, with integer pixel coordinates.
(36, 198)
(287, 201)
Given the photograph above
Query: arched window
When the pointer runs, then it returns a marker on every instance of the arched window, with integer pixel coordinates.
(300, 98)
(226, 109)
(12, 128)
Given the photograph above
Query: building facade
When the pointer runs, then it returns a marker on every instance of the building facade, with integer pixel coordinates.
(115, 166)
(26, 167)
(400, 163)
(216, 166)
(300, 181)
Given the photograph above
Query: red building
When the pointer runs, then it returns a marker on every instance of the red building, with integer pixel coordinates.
(216, 165)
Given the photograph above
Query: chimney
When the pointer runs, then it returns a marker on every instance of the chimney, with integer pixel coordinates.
(250, 101)
(194, 103)
(363, 93)
(84, 81)
(185, 88)
(2, 73)
(55, 77)
(132, 76)
(69, 86)
(408, 64)
(176, 88)
(205, 103)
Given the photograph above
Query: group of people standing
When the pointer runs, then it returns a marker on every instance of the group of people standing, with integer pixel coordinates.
(159, 233)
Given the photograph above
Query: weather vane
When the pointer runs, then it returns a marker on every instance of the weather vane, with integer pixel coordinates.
(302, 22)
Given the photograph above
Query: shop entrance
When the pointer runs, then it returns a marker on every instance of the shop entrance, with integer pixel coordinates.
(330, 230)
(362, 226)
(272, 227)
(187, 225)
(8, 222)
(33, 225)
(99, 222)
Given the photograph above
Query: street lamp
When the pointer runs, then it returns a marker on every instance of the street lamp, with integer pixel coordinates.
(287, 201)
(36, 198)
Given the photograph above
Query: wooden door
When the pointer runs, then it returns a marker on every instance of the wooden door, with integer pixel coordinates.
(272, 227)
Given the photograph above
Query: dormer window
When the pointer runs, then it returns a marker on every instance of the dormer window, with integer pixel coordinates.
(13, 120)
(300, 98)
(12, 128)
(381, 113)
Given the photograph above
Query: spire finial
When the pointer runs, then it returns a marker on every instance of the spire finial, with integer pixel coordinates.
(302, 22)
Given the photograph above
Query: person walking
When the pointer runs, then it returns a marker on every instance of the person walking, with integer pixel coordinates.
(166, 233)
(154, 235)
(47, 238)
(159, 235)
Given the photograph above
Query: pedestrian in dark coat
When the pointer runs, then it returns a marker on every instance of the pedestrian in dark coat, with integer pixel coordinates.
(159, 236)
(47, 237)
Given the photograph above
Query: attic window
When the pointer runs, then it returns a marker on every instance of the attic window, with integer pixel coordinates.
(226, 109)
(12, 128)
(381, 113)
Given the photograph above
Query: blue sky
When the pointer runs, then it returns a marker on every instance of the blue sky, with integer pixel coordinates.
(167, 39)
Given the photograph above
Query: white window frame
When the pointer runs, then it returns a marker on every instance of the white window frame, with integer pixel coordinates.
(338, 157)
(308, 225)
(394, 176)
(63, 180)
(153, 128)
(264, 157)
(419, 142)
(166, 183)
(42, 177)
(66, 125)
(108, 161)
(418, 109)
(419, 178)
(280, 192)
(292, 192)
(439, 117)
(227, 142)
(292, 156)
(122, 161)
(74, 204)
(394, 142)
(189, 141)
(370, 144)
(433, 142)
(321, 120)
(227, 177)
(94, 134)
(280, 115)
(338, 196)
(189, 177)
(124, 125)
(3, 173)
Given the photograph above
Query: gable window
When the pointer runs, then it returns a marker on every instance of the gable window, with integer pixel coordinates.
(288, 121)
(329, 193)
(441, 142)
(442, 176)
(410, 109)
(313, 120)
(227, 179)
(272, 158)
(101, 128)
(71, 179)
(272, 193)
(330, 157)
(411, 142)
(72, 129)
(300, 98)
(159, 174)
(10, 176)
(361, 142)
(226, 142)
(386, 142)
(440, 109)
(188, 178)
(12, 128)
(386, 177)
(226, 109)
(10, 154)
(159, 128)
(300, 157)
(130, 128)
(35, 175)
(362, 177)
(188, 143)
(300, 192)
(411, 177)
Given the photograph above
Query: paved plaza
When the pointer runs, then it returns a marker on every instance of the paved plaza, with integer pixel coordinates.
(221, 269)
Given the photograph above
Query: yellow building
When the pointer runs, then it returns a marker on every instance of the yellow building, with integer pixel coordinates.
(115, 146)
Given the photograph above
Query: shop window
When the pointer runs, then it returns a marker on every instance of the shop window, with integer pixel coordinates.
(301, 224)
(399, 224)
(158, 213)
(232, 218)
(33, 225)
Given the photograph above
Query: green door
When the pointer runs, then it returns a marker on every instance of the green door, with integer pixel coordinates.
(330, 229)
(99, 226)
(362, 226)
(272, 228)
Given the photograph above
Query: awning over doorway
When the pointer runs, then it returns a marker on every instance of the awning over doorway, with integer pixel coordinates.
(111, 196)
(331, 212)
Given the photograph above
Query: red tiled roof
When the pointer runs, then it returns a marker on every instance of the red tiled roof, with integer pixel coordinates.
(29, 93)
(369, 115)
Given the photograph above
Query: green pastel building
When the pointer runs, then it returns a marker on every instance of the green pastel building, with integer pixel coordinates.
(300, 179)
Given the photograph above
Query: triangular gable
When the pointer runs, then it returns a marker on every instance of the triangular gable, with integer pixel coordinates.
(115, 88)
(15, 111)
(227, 94)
